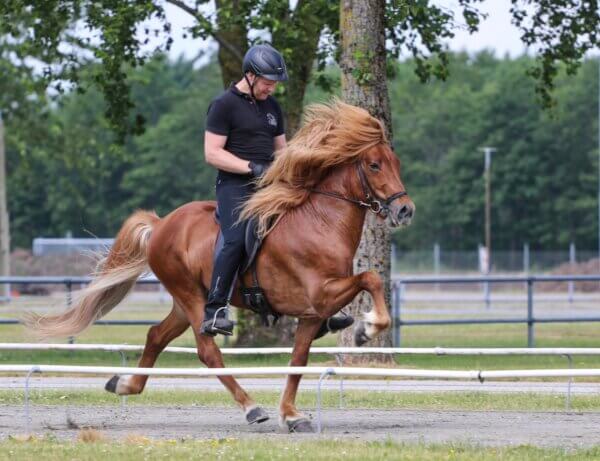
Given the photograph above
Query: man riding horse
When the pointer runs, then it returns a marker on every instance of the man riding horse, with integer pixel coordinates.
(309, 208)
(244, 130)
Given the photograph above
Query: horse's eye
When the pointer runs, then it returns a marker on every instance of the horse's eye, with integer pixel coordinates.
(374, 166)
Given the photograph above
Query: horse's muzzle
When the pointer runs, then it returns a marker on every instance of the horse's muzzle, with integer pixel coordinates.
(401, 214)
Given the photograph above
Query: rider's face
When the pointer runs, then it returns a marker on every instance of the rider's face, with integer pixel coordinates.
(263, 87)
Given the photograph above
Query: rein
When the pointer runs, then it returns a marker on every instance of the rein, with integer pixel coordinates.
(371, 201)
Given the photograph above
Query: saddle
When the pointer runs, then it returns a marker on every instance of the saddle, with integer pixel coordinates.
(253, 296)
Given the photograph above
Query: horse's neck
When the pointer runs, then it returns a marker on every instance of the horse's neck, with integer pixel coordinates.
(341, 220)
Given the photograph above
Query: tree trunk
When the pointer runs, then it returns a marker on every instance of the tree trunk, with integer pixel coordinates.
(236, 35)
(363, 64)
(4, 221)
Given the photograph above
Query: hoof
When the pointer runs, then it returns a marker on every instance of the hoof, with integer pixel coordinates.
(111, 384)
(302, 425)
(360, 335)
(256, 415)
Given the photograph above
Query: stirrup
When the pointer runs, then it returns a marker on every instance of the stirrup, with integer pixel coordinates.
(218, 325)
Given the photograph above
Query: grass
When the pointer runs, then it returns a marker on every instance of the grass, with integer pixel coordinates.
(385, 400)
(556, 335)
(137, 447)
(547, 335)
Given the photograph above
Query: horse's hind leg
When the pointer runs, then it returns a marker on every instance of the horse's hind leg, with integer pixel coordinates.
(211, 356)
(289, 417)
(159, 336)
(209, 353)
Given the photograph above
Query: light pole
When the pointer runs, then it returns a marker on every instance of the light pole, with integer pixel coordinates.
(488, 151)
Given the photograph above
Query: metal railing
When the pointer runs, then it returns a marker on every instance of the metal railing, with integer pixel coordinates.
(69, 283)
(398, 284)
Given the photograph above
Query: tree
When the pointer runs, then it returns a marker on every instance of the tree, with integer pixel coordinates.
(363, 63)
(544, 180)
(562, 30)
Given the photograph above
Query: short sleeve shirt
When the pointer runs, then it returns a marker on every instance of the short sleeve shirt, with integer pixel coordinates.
(250, 125)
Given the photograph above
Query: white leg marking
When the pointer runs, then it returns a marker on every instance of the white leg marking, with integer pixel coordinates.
(123, 385)
(370, 319)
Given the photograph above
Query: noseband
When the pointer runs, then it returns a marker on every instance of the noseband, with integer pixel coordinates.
(371, 201)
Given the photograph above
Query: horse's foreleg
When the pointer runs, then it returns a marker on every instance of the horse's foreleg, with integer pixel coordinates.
(159, 336)
(289, 417)
(336, 293)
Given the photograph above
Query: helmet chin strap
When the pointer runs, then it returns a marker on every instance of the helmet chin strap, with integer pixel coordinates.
(251, 85)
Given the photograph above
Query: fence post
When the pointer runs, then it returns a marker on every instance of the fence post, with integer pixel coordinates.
(530, 321)
(526, 262)
(397, 304)
(436, 263)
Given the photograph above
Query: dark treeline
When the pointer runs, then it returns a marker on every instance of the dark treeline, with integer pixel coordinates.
(65, 174)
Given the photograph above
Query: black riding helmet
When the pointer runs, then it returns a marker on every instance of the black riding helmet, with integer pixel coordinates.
(265, 61)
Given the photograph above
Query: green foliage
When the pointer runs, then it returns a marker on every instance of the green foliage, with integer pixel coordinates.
(65, 173)
(560, 31)
(49, 32)
(57, 33)
(544, 174)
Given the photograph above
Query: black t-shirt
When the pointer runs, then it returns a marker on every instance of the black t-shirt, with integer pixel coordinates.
(250, 125)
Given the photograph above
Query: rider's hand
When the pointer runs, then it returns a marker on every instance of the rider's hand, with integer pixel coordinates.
(257, 169)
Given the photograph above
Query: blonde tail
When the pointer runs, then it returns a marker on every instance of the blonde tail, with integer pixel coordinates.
(115, 277)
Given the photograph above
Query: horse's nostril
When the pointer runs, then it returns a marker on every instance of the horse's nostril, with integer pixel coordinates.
(405, 212)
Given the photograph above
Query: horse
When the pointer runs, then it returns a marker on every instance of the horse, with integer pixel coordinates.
(310, 207)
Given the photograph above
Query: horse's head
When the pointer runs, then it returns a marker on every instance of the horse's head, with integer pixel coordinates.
(379, 171)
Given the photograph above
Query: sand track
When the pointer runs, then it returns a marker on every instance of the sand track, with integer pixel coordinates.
(557, 429)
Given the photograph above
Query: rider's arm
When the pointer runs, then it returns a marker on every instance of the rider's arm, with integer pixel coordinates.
(218, 126)
(279, 143)
(216, 155)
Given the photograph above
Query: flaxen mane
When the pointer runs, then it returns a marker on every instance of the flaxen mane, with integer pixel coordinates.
(331, 134)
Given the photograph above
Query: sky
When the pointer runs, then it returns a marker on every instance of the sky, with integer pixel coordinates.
(496, 32)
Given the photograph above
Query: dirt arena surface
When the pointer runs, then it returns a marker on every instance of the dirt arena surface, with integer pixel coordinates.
(545, 429)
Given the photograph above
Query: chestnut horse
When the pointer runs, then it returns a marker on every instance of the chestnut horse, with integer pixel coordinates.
(310, 208)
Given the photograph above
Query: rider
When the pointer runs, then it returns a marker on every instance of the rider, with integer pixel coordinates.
(244, 128)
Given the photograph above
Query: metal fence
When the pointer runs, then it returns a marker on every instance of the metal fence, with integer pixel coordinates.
(398, 287)
(399, 284)
(438, 260)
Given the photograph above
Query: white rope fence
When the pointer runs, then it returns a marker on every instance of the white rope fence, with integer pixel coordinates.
(321, 372)
(480, 375)
(561, 351)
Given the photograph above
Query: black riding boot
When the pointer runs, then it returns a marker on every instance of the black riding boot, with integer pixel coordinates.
(215, 310)
(335, 323)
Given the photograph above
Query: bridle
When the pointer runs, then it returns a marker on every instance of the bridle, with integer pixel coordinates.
(371, 201)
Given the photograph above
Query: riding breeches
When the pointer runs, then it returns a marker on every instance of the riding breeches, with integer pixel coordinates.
(231, 194)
